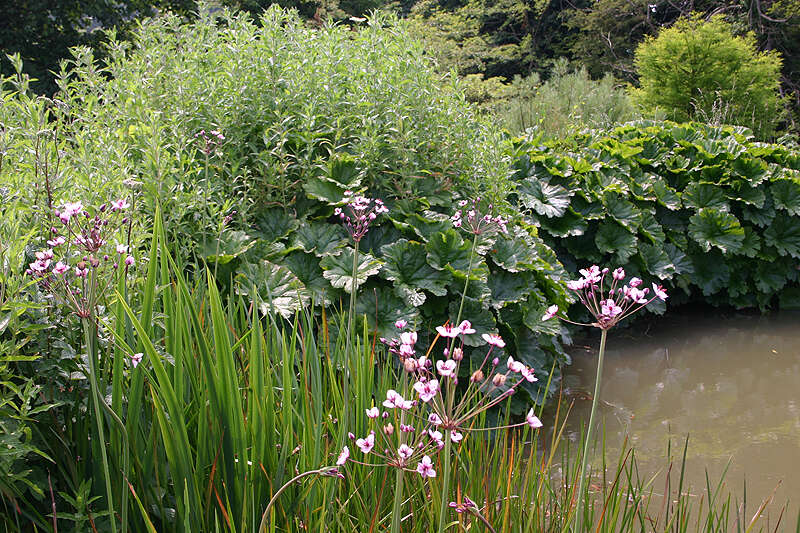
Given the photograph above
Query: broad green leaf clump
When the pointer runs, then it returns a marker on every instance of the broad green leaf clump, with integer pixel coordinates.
(705, 209)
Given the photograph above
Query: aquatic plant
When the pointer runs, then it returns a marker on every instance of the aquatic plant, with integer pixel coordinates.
(608, 304)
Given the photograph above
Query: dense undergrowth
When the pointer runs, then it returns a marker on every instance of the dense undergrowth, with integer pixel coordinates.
(217, 364)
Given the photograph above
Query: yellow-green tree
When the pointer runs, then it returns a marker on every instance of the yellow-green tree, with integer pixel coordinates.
(699, 70)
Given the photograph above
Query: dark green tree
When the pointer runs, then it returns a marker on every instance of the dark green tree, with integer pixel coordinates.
(699, 70)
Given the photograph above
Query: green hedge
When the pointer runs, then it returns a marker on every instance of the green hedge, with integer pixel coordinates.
(704, 209)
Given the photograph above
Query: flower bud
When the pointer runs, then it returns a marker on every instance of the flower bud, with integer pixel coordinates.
(477, 376)
(410, 364)
(458, 354)
(499, 380)
(388, 429)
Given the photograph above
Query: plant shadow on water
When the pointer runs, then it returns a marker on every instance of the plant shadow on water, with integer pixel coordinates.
(729, 384)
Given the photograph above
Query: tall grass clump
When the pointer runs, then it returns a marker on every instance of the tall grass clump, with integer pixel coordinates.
(567, 102)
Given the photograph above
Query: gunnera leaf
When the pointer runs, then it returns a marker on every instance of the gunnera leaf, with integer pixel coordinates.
(680, 262)
(651, 229)
(545, 199)
(306, 267)
(666, 195)
(383, 308)
(447, 248)
(656, 260)
(784, 235)
(700, 195)
(428, 223)
(711, 273)
(622, 210)
(279, 291)
(760, 216)
(567, 225)
(786, 193)
(751, 244)
(711, 227)
(324, 189)
(406, 265)
(274, 224)
(510, 253)
(614, 238)
(377, 237)
(508, 287)
(338, 269)
(320, 238)
(231, 245)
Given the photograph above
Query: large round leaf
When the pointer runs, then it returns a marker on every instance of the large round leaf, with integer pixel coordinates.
(613, 238)
(338, 269)
(786, 193)
(784, 235)
(406, 265)
(546, 199)
(711, 227)
(279, 291)
(320, 238)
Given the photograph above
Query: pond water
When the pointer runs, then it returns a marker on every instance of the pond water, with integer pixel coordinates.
(732, 384)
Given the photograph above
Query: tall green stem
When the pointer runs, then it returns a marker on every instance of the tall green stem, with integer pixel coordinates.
(466, 283)
(398, 480)
(445, 482)
(90, 337)
(587, 443)
(350, 334)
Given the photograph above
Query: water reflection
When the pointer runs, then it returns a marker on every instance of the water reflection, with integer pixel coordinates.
(732, 384)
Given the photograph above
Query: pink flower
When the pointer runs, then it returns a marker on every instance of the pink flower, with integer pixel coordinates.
(408, 337)
(119, 205)
(618, 274)
(366, 445)
(393, 399)
(576, 285)
(466, 327)
(400, 324)
(551, 312)
(528, 374)
(446, 368)
(60, 268)
(494, 340)
(136, 359)
(515, 366)
(122, 248)
(373, 412)
(130, 261)
(81, 272)
(609, 308)
(343, 456)
(456, 436)
(532, 420)
(425, 467)
(591, 275)
(448, 331)
(659, 291)
(427, 390)
(405, 452)
(56, 242)
(434, 419)
(437, 437)
(635, 282)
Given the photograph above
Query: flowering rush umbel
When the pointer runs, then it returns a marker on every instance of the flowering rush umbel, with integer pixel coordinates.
(429, 406)
(470, 218)
(80, 255)
(358, 213)
(209, 140)
(609, 301)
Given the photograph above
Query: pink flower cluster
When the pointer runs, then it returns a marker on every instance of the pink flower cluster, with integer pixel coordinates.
(358, 213)
(210, 140)
(432, 416)
(476, 223)
(76, 276)
(620, 300)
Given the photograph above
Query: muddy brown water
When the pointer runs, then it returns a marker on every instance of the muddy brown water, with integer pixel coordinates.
(732, 384)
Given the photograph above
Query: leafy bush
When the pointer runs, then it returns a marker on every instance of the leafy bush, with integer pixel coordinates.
(705, 209)
(699, 69)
